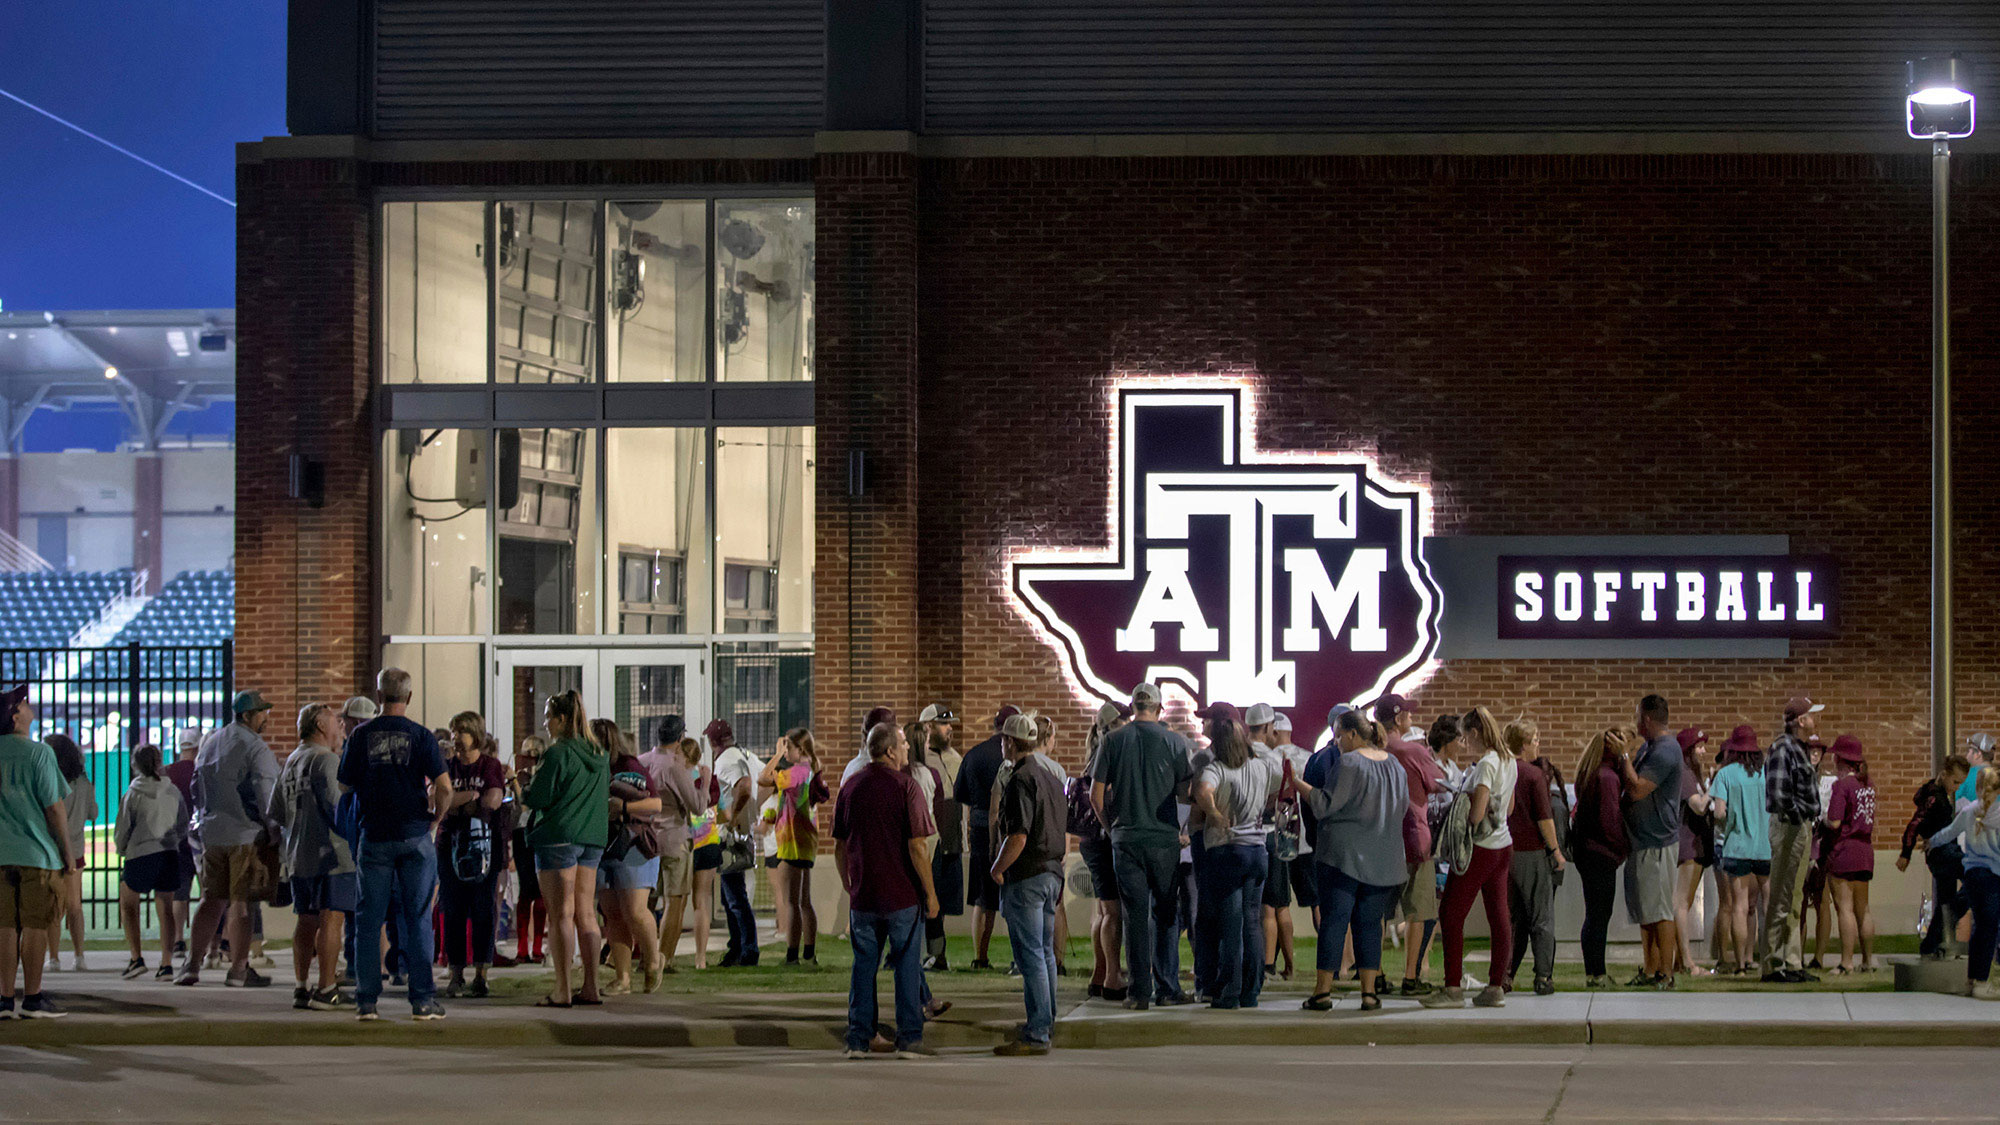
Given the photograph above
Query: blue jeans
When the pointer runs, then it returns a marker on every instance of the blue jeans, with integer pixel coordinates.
(741, 919)
(901, 936)
(1345, 901)
(397, 878)
(1029, 906)
(1231, 897)
(1203, 920)
(1148, 888)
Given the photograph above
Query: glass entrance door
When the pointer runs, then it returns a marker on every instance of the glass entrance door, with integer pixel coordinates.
(525, 679)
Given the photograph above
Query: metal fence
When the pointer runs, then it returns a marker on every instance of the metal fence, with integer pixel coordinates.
(111, 700)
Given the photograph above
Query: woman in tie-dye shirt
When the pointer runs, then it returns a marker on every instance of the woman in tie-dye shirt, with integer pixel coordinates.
(793, 775)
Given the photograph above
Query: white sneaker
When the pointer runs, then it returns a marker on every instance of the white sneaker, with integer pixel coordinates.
(1986, 990)
(55, 962)
(262, 961)
(80, 966)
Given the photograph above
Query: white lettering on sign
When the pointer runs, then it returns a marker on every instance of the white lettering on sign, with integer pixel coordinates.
(1608, 584)
(1809, 610)
(1694, 597)
(1168, 599)
(1359, 593)
(1767, 609)
(1649, 583)
(1569, 596)
(1729, 602)
(1528, 591)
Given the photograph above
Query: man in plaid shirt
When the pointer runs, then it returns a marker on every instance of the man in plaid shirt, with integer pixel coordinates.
(1791, 796)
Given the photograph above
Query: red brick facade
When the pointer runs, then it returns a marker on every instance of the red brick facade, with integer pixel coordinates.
(1558, 345)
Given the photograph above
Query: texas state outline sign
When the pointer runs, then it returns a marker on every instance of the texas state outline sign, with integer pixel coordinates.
(1241, 575)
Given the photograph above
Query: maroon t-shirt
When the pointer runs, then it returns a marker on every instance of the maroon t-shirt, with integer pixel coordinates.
(482, 773)
(1531, 807)
(880, 810)
(1853, 805)
(1425, 777)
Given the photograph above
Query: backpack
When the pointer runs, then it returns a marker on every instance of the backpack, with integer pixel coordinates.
(1453, 834)
(472, 850)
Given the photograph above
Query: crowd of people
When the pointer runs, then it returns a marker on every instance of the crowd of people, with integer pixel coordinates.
(389, 840)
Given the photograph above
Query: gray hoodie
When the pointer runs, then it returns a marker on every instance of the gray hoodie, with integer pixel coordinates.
(151, 818)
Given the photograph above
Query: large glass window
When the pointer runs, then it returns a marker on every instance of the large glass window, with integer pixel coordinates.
(546, 291)
(546, 544)
(659, 290)
(764, 290)
(656, 512)
(764, 533)
(434, 564)
(434, 292)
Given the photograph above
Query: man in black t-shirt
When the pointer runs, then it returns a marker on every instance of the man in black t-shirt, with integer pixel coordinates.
(1138, 782)
(974, 791)
(1033, 820)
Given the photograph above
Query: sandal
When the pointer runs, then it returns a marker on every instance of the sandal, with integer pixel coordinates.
(1370, 1002)
(550, 1002)
(1318, 1002)
(1840, 971)
(582, 1001)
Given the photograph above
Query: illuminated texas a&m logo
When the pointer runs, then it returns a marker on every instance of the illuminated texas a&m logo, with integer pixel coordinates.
(1243, 576)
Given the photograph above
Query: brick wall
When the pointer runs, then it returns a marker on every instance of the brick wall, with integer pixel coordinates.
(1666, 345)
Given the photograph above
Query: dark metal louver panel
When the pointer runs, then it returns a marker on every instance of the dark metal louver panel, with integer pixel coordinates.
(598, 68)
(1425, 66)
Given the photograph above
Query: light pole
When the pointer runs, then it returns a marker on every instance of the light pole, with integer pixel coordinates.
(1939, 108)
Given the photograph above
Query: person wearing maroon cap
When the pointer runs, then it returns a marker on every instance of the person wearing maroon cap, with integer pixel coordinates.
(977, 772)
(1743, 848)
(1850, 861)
(1791, 797)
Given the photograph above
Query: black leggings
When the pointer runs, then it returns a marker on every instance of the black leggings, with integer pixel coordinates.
(1600, 892)
(467, 904)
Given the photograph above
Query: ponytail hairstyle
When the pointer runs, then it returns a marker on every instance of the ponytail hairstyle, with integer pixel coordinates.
(1230, 743)
(1593, 756)
(1519, 734)
(1045, 732)
(565, 709)
(1988, 787)
(802, 741)
(1361, 727)
(689, 750)
(146, 761)
(605, 733)
(1479, 723)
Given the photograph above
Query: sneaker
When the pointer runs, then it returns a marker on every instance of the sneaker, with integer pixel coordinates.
(454, 988)
(854, 1053)
(366, 1014)
(1134, 1004)
(979, 966)
(1985, 990)
(937, 1008)
(1597, 982)
(166, 973)
(6, 1007)
(428, 1010)
(1413, 987)
(1664, 982)
(1444, 998)
(478, 989)
(1800, 976)
(1014, 969)
(1643, 980)
(189, 976)
(917, 1050)
(55, 962)
(134, 969)
(1021, 1049)
(80, 965)
(1492, 996)
(262, 961)
(301, 997)
(329, 1000)
(251, 978)
(1173, 1000)
(398, 980)
(1545, 986)
(181, 948)
(214, 960)
(40, 1007)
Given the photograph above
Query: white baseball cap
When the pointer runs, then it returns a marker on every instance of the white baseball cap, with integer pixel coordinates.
(1259, 714)
(937, 713)
(190, 738)
(1283, 723)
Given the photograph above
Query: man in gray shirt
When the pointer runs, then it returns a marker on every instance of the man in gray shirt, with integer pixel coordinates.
(1138, 782)
(1653, 822)
(234, 775)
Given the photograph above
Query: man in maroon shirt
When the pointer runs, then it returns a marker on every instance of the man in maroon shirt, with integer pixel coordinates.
(881, 826)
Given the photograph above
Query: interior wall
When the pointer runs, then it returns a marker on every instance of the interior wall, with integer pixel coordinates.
(435, 575)
(434, 292)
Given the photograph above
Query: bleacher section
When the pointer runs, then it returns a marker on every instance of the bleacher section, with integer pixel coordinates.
(41, 608)
(198, 607)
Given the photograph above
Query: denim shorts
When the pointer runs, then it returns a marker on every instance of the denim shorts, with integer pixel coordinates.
(556, 857)
(620, 875)
(1737, 868)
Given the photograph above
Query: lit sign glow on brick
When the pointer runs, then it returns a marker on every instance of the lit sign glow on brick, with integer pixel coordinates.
(1688, 597)
(1237, 574)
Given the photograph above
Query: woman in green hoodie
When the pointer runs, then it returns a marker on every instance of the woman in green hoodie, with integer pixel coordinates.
(570, 797)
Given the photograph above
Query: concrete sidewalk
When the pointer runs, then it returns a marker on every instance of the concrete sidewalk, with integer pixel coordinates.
(105, 1010)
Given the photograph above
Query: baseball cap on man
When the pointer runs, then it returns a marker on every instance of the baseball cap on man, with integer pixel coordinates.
(937, 713)
(1022, 727)
(1981, 742)
(1690, 738)
(1801, 705)
(1259, 714)
(249, 701)
(1282, 723)
(360, 707)
(1146, 695)
(190, 738)
(11, 698)
(1848, 749)
(1388, 706)
(720, 734)
(1112, 712)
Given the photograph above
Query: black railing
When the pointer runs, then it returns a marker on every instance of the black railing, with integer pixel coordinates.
(111, 700)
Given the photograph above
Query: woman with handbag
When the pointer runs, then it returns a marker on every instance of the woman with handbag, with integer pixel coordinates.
(793, 776)
(570, 795)
(631, 866)
(468, 857)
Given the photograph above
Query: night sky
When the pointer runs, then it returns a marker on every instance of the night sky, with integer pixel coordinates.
(180, 82)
